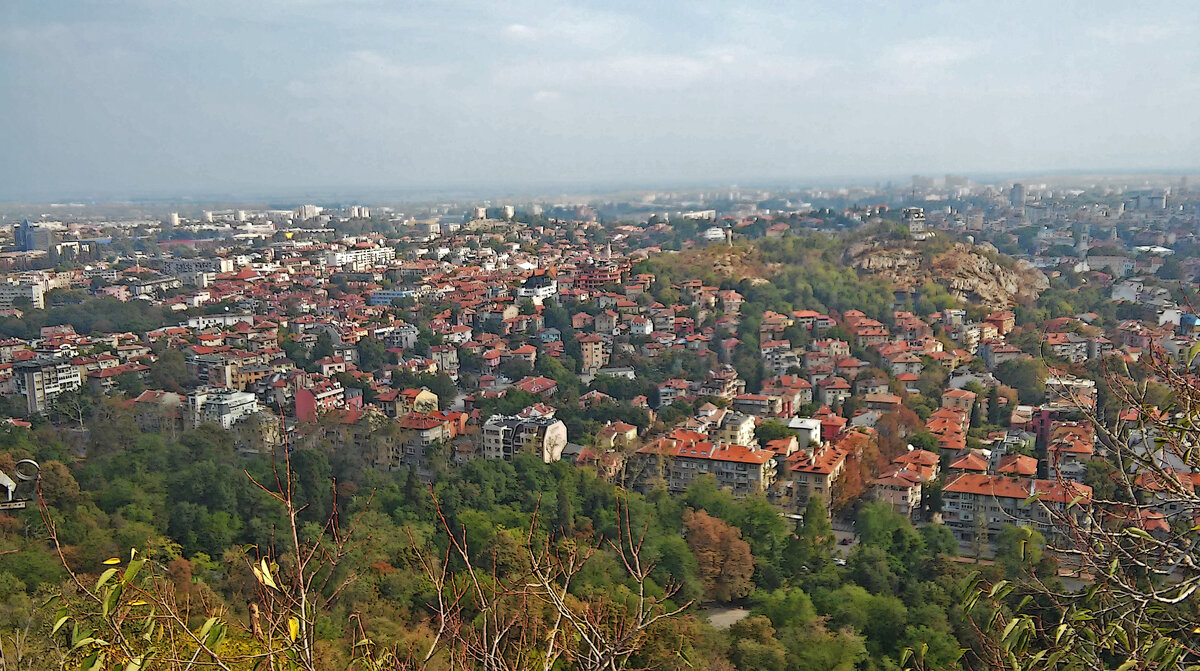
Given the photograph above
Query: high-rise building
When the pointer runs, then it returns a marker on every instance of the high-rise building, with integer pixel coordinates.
(33, 237)
(1017, 195)
(509, 211)
(34, 292)
(41, 381)
(306, 212)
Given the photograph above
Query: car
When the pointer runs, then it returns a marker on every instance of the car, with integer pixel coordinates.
(844, 541)
(839, 561)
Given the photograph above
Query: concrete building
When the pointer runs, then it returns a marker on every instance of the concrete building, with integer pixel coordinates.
(506, 436)
(976, 506)
(11, 293)
(41, 380)
(684, 455)
(220, 406)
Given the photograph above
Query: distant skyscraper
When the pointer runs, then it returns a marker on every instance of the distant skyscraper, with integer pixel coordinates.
(1016, 197)
(509, 211)
(173, 219)
(306, 212)
(29, 237)
(478, 213)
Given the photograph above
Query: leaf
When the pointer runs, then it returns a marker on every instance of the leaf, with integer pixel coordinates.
(1139, 532)
(293, 628)
(208, 625)
(58, 625)
(263, 573)
(134, 567)
(112, 560)
(1192, 352)
(105, 577)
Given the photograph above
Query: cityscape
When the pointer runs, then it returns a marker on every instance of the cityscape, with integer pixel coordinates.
(590, 338)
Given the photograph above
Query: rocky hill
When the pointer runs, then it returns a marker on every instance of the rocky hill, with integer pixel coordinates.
(961, 269)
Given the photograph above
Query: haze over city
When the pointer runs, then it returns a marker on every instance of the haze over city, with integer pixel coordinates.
(132, 99)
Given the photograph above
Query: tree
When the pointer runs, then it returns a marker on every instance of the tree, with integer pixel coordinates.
(724, 562)
(1018, 548)
(372, 354)
(993, 406)
(565, 516)
(1027, 376)
(754, 646)
(773, 429)
(812, 547)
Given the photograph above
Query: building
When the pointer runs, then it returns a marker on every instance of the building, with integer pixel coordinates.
(683, 456)
(41, 380)
(12, 294)
(506, 436)
(978, 503)
(220, 406)
(158, 411)
(914, 219)
(304, 212)
(538, 287)
(593, 353)
(900, 489)
(359, 259)
(813, 470)
(31, 237)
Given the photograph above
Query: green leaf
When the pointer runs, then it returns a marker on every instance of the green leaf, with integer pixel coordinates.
(105, 577)
(134, 567)
(1139, 532)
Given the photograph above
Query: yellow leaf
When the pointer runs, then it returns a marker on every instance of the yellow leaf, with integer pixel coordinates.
(293, 628)
(113, 560)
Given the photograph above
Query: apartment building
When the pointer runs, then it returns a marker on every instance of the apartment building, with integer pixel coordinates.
(978, 503)
(41, 380)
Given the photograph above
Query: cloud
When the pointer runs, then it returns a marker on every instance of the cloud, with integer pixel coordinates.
(929, 53)
(1134, 34)
(519, 32)
(367, 72)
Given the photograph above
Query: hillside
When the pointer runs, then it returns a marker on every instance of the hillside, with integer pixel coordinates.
(962, 270)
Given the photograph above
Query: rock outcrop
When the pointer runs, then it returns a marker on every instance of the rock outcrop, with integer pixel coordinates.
(962, 270)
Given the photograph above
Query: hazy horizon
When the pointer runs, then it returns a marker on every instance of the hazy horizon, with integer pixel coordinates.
(137, 99)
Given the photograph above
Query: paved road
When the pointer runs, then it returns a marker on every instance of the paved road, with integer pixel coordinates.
(722, 617)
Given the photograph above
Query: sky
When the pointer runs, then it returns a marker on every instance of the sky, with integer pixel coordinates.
(128, 98)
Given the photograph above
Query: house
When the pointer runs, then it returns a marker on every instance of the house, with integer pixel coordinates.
(158, 412)
(537, 385)
(900, 489)
(813, 470)
(959, 399)
(616, 435)
(833, 391)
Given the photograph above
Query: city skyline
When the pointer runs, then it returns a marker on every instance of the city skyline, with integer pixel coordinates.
(132, 99)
